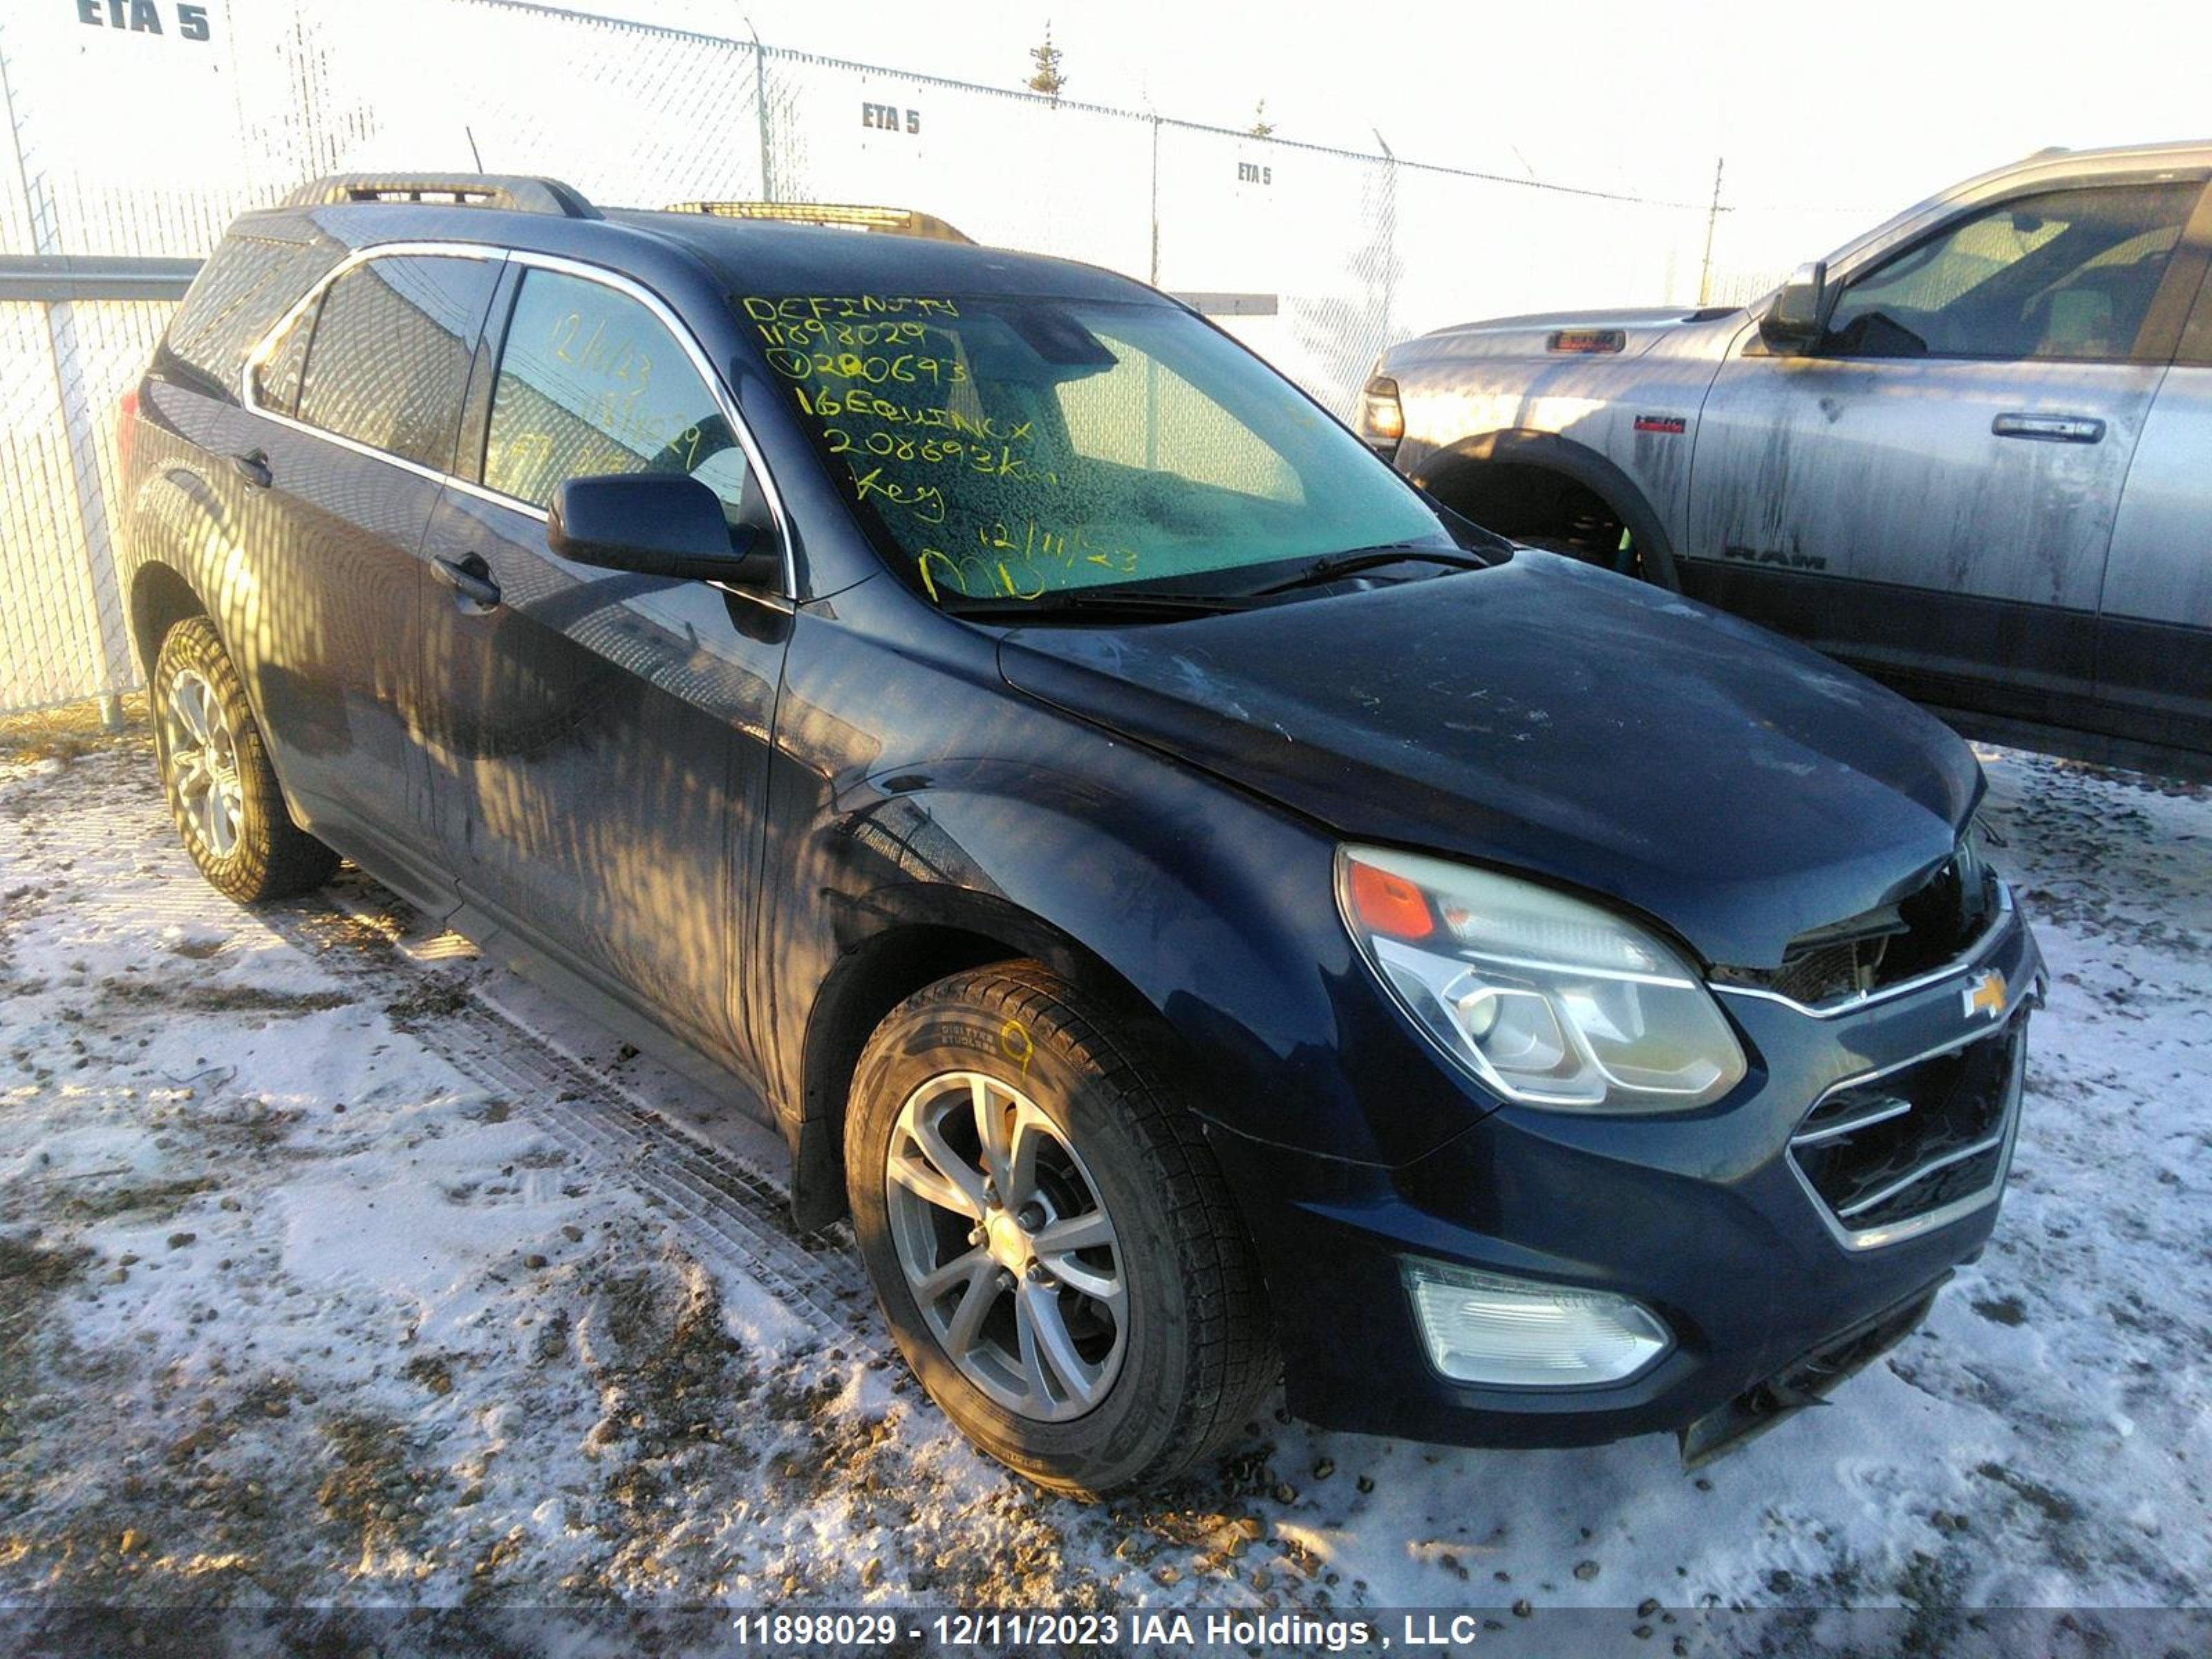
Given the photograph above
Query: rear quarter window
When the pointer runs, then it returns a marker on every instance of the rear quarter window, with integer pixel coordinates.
(250, 283)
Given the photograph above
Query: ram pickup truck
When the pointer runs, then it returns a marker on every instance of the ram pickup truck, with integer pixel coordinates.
(1969, 453)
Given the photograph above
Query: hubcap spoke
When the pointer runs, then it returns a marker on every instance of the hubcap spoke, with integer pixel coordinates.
(926, 1182)
(941, 1175)
(184, 703)
(1089, 1231)
(931, 1286)
(1099, 1287)
(228, 805)
(1031, 1129)
(1056, 1246)
(189, 769)
(1049, 1360)
(968, 1318)
(990, 1134)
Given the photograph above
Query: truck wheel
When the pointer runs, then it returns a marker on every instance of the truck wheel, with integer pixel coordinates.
(215, 771)
(1050, 1238)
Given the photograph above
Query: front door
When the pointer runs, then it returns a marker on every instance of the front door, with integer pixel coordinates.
(598, 762)
(1929, 495)
(2155, 640)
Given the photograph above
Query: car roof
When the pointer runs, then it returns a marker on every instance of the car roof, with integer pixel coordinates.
(766, 256)
(773, 258)
(2056, 166)
(2180, 152)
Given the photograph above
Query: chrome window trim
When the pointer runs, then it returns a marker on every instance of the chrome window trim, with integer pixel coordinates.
(1991, 937)
(248, 395)
(708, 374)
(499, 498)
(663, 312)
(1874, 1238)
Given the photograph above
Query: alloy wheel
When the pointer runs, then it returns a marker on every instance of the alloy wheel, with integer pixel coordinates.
(203, 763)
(1006, 1246)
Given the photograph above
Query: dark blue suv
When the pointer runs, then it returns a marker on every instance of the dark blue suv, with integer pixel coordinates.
(1206, 912)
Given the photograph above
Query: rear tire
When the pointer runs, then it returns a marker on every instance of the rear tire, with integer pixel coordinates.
(1080, 1297)
(215, 772)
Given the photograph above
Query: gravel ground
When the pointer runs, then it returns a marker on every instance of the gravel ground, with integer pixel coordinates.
(337, 1267)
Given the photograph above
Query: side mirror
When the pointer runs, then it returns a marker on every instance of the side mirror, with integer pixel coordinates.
(656, 524)
(1795, 318)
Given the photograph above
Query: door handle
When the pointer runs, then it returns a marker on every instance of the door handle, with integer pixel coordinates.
(2050, 428)
(470, 577)
(253, 467)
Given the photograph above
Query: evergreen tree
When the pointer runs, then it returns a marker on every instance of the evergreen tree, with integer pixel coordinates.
(1048, 79)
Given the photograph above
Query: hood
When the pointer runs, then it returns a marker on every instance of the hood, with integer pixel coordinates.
(1555, 718)
(1640, 329)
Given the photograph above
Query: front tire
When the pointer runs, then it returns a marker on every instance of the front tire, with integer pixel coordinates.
(1049, 1236)
(215, 772)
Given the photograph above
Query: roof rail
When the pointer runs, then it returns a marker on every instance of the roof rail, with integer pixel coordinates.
(515, 192)
(888, 221)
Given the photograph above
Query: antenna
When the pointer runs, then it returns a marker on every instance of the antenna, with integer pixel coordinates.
(474, 154)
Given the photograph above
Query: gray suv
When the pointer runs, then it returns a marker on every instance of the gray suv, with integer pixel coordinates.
(1969, 453)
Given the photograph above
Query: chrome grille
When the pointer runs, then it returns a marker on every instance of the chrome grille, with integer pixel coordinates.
(1896, 1154)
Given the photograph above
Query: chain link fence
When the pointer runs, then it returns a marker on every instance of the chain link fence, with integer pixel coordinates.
(1316, 257)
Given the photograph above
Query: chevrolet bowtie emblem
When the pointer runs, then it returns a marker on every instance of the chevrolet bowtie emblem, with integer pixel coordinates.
(1984, 995)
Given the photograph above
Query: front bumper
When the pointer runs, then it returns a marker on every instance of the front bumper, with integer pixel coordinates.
(1712, 1219)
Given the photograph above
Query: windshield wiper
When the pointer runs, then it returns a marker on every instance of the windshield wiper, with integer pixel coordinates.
(1100, 601)
(1372, 558)
(1154, 601)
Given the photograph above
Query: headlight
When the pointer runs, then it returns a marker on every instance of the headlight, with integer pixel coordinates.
(1382, 419)
(1548, 1000)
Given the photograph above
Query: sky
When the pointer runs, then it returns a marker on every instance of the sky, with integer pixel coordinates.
(1873, 107)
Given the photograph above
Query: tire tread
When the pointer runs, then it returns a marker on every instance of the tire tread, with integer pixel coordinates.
(1233, 1361)
(276, 859)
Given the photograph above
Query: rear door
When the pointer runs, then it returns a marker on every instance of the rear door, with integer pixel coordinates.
(600, 741)
(353, 405)
(1930, 495)
(2154, 637)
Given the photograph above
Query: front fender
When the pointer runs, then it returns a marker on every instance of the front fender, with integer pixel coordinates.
(1431, 468)
(1210, 912)
(1217, 916)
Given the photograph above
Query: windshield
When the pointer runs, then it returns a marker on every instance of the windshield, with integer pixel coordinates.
(1013, 449)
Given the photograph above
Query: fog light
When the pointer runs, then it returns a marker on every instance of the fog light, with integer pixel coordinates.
(1517, 1333)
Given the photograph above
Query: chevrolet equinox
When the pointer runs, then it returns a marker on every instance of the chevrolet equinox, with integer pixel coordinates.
(1208, 914)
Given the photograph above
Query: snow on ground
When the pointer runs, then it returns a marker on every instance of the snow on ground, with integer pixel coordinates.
(337, 1267)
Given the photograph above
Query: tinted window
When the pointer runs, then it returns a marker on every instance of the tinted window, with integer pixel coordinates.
(591, 381)
(1014, 446)
(389, 358)
(2068, 274)
(244, 288)
(276, 377)
(1141, 414)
